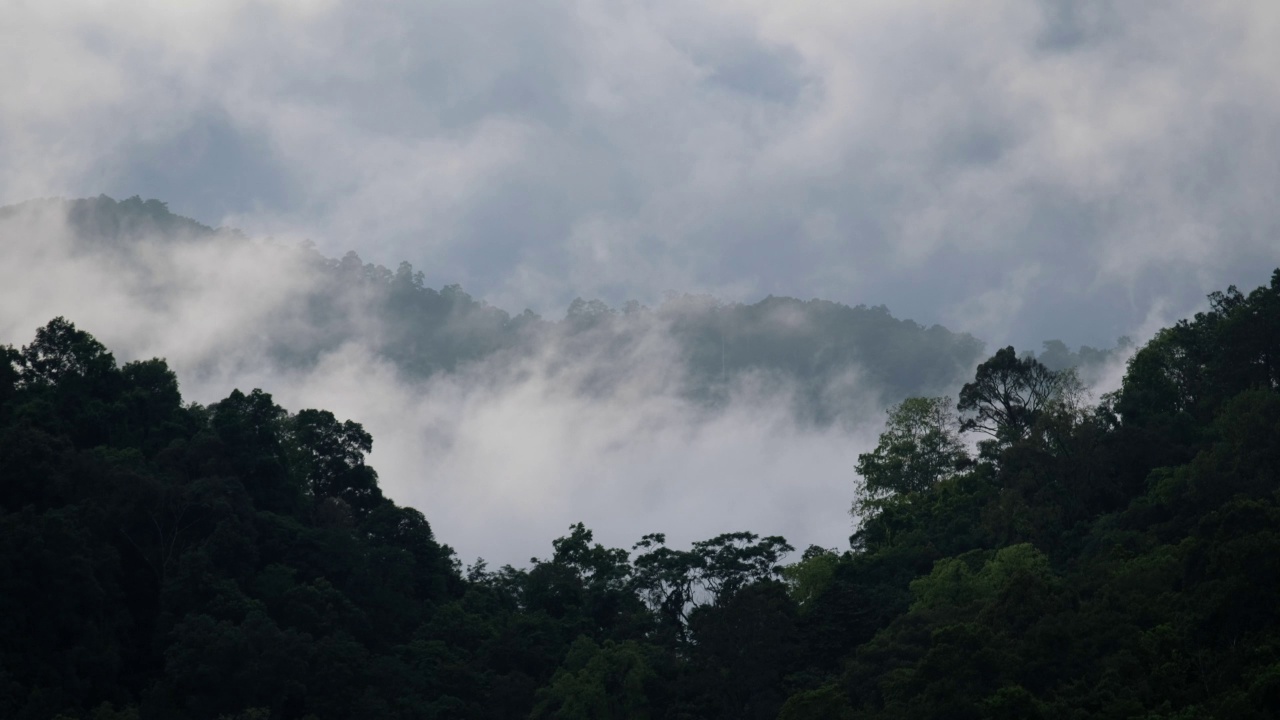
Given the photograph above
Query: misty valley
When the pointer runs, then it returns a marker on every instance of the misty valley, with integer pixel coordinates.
(895, 520)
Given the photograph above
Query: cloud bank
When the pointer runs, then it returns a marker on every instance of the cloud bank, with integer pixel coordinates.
(502, 453)
(1017, 170)
(1001, 169)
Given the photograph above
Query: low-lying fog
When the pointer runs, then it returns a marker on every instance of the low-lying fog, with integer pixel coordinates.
(502, 454)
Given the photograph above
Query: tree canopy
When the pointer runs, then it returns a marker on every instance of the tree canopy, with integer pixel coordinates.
(237, 560)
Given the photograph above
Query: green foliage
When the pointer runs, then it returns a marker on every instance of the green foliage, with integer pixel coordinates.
(825, 703)
(1008, 394)
(329, 457)
(673, 581)
(165, 560)
(594, 682)
(808, 579)
(952, 583)
(238, 561)
(1128, 561)
(61, 353)
(918, 448)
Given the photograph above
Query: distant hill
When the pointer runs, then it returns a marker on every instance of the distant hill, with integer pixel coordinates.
(104, 220)
(238, 561)
(835, 358)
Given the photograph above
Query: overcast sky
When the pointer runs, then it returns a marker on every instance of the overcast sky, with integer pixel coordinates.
(1021, 170)
(1018, 170)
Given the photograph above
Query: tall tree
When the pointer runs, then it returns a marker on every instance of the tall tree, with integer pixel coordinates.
(60, 351)
(331, 455)
(1007, 395)
(918, 447)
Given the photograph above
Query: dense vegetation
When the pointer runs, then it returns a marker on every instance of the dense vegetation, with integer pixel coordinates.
(1120, 560)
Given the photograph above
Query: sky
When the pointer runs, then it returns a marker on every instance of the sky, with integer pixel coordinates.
(1017, 170)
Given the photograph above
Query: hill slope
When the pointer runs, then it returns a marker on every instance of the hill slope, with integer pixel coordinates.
(832, 357)
(235, 560)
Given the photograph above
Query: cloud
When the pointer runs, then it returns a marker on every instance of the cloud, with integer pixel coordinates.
(992, 312)
(208, 305)
(1020, 170)
(901, 153)
(504, 453)
(504, 463)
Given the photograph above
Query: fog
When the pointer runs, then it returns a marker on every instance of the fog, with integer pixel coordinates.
(501, 455)
(1019, 171)
(999, 169)
(502, 465)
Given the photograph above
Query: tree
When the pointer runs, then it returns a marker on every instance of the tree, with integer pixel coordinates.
(331, 454)
(60, 351)
(824, 703)
(152, 402)
(584, 582)
(250, 428)
(675, 582)
(809, 578)
(1008, 394)
(609, 681)
(9, 375)
(918, 448)
(744, 644)
(665, 579)
(597, 566)
(732, 561)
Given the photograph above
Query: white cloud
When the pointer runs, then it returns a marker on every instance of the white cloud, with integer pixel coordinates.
(500, 468)
(630, 148)
(503, 455)
(1022, 170)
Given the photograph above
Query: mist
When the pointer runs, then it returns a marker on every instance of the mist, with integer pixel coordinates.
(504, 460)
(622, 295)
(502, 454)
(1017, 171)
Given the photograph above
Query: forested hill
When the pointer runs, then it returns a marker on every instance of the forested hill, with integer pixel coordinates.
(104, 221)
(238, 561)
(834, 360)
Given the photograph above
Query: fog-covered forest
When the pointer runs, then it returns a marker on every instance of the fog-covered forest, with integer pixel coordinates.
(1019, 547)
(627, 418)
(239, 560)
(816, 348)
(639, 359)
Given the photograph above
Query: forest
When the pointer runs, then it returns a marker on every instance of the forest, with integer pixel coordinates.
(1018, 551)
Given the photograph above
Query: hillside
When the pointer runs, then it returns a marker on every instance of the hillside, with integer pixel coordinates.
(834, 358)
(237, 560)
